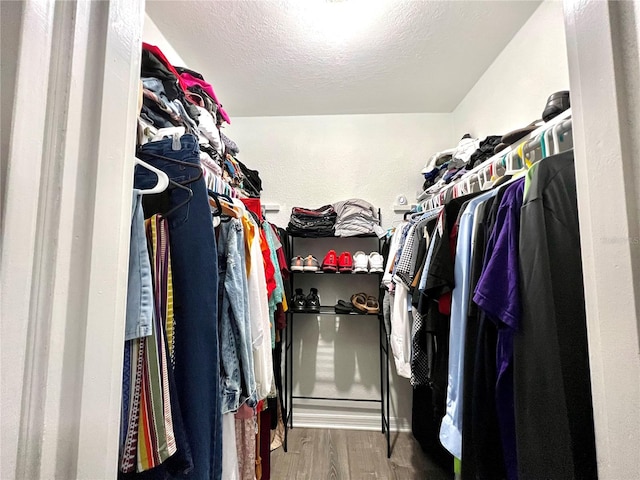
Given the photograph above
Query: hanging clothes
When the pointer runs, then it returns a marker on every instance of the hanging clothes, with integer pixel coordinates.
(153, 439)
(518, 398)
(195, 276)
(236, 350)
(553, 407)
(451, 429)
(140, 284)
(498, 295)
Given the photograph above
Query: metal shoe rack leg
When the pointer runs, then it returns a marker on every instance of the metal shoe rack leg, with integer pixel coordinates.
(288, 385)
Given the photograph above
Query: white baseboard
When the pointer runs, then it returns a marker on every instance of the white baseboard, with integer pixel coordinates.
(348, 421)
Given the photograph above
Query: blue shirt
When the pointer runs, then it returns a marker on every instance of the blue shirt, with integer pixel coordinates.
(451, 427)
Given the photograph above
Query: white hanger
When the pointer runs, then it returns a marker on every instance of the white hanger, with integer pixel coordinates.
(555, 131)
(552, 146)
(485, 177)
(513, 163)
(174, 132)
(163, 179)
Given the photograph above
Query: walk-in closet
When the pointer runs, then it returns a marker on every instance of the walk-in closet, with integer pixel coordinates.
(320, 239)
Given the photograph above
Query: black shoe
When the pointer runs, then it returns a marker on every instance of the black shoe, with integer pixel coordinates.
(298, 302)
(343, 307)
(556, 104)
(313, 301)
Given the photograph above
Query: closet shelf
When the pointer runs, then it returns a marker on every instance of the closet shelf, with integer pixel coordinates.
(363, 235)
(344, 274)
(331, 311)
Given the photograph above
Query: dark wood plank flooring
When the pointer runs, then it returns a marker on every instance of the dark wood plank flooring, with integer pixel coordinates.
(316, 454)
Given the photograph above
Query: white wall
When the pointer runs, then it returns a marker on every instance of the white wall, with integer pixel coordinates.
(152, 35)
(312, 161)
(12, 368)
(11, 25)
(603, 41)
(315, 160)
(63, 304)
(513, 91)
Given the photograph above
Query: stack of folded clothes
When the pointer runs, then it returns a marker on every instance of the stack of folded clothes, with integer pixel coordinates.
(306, 222)
(356, 217)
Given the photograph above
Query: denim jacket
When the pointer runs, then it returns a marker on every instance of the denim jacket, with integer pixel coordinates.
(236, 352)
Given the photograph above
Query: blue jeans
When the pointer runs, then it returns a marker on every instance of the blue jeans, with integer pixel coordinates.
(195, 303)
(238, 378)
(140, 287)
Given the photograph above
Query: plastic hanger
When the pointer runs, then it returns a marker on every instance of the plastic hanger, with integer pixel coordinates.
(223, 205)
(174, 132)
(181, 187)
(565, 126)
(218, 209)
(514, 163)
(179, 162)
(486, 181)
(229, 207)
(552, 148)
(543, 145)
(163, 179)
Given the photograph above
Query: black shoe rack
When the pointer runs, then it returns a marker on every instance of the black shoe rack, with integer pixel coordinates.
(288, 396)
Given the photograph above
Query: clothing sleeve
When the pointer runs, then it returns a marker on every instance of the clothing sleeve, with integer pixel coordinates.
(393, 248)
(263, 361)
(440, 276)
(498, 290)
(209, 130)
(400, 338)
(236, 286)
(256, 309)
(269, 269)
(404, 264)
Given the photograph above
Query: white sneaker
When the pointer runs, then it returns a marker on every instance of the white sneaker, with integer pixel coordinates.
(376, 263)
(360, 262)
(311, 264)
(297, 264)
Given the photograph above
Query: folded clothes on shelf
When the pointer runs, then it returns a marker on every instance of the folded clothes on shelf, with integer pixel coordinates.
(306, 222)
(356, 217)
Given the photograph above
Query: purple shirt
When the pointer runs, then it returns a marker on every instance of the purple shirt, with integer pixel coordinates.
(498, 294)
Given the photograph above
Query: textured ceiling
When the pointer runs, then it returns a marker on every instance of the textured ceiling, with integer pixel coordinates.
(310, 57)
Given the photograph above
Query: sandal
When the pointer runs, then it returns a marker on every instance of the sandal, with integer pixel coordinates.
(359, 301)
(372, 305)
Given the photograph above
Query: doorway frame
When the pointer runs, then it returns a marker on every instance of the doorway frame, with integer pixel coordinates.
(66, 217)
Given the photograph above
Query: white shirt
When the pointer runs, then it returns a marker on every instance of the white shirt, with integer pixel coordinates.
(260, 321)
(208, 129)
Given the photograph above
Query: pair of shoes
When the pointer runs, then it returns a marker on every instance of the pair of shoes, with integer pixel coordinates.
(306, 264)
(310, 303)
(364, 303)
(334, 263)
(372, 263)
(343, 307)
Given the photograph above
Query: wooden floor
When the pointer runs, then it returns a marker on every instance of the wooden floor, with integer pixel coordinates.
(319, 454)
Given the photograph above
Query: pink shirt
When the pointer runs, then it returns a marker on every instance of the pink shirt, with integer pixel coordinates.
(189, 80)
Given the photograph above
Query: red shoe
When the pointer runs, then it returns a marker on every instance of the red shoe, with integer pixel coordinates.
(330, 262)
(345, 262)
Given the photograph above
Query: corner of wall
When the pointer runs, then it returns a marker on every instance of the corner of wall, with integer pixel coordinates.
(151, 34)
(513, 91)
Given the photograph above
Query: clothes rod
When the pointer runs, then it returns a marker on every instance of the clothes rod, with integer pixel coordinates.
(271, 207)
(564, 116)
(560, 118)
